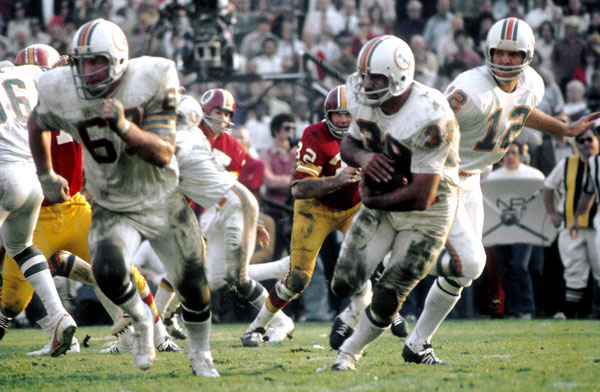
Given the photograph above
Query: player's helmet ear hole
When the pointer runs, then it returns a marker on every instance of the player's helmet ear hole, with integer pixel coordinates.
(403, 78)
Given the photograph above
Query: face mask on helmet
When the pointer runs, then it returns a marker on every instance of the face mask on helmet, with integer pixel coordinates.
(384, 55)
(335, 102)
(189, 111)
(39, 54)
(217, 98)
(511, 35)
(98, 38)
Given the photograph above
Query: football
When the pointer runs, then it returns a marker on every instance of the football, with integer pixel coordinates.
(401, 177)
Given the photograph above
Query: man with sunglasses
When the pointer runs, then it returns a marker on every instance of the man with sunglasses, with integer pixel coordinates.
(576, 215)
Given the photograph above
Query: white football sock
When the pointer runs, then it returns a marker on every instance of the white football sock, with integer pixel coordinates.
(136, 308)
(199, 334)
(43, 284)
(272, 270)
(365, 333)
(440, 300)
(160, 332)
(258, 302)
(357, 306)
(113, 310)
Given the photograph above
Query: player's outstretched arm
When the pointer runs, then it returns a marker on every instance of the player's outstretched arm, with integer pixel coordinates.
(55, 187)
(311, 187)
(148, 146)
(545, 123)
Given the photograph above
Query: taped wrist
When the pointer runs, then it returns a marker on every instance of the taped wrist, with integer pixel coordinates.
(124, 128)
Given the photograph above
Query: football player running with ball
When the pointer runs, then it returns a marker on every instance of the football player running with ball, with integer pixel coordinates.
(492, 104)
(394, 117)
(326, 193)
(123, 112)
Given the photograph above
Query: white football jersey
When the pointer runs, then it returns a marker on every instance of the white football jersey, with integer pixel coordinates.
(203, 178)
(489, 118)
(115, 177)
(424, 127)
(17, 98)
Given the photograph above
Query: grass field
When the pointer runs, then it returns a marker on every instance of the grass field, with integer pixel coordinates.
(485, 355)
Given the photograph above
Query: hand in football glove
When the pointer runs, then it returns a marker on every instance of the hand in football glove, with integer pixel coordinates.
(55, 187)
(115, 115)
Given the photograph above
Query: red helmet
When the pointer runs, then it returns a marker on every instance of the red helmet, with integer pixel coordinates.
(217, 98)
(38, 54)
(335, 102)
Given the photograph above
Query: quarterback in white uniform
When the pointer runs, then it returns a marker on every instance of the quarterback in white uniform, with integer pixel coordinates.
(395, 118)
(123, 112)
(21, 200)
(492, 103)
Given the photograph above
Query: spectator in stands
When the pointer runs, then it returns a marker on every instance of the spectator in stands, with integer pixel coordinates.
(576, 105)
(484, 22)
(364, 34)
(439, 25)
(18, 23)
(544, 11)
(568, 54)
(84, 11)
(594, 27)
(575, 8)
(258, 120)
(324, 16)
(389, 16)
(447, 45)
(349, 17)
(464, 51)
(37, 34)
(514, 261)
(246, 21)
(127, 16)
(378, 23)
(592, 94)
(426, 63)
(413, 24)
(545, 39)
(289, 44)
(268, 61)
(280, 158)
(346, 62)
(553, 100)
(515, 9)
(252, 44)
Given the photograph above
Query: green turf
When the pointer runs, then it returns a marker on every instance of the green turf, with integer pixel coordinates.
(485, 355)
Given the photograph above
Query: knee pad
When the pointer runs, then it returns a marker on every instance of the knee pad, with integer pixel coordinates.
(342, 288)
(385, 304)
(298, 280)
(110, 270)
(463, 268)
